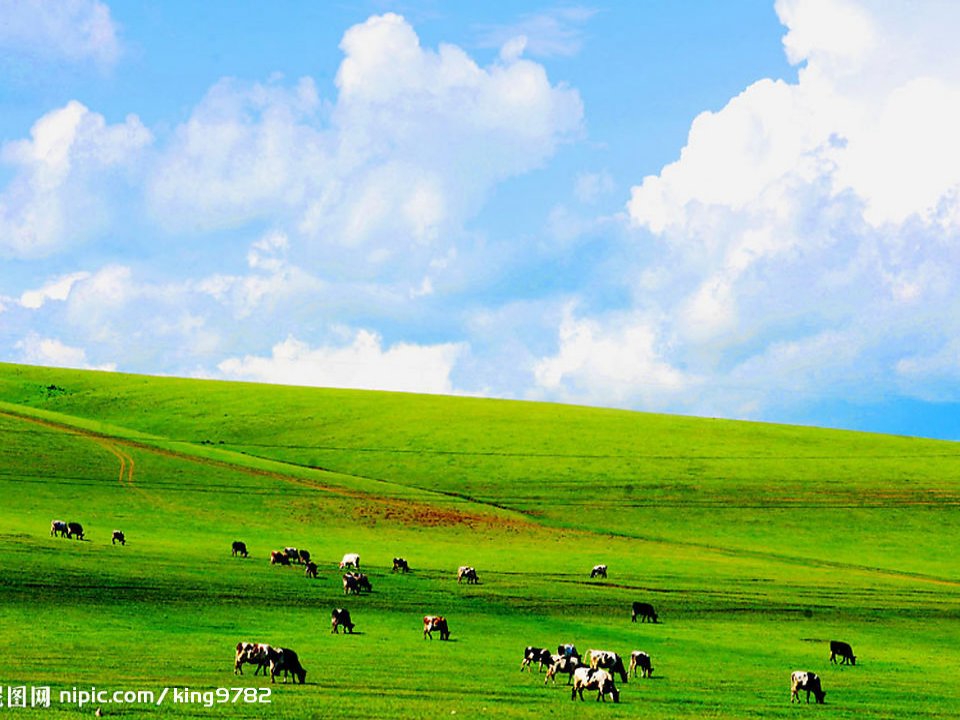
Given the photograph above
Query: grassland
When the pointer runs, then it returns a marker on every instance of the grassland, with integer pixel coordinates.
(757, 543)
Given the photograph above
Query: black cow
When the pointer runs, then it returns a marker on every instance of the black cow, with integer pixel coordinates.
(340, 616)
(311, 570)
(400, 565)
(801, 680)
(536, 655)
(58, 528)
(645, 611)
(278, 557)
(285, 660)
(304, 556)
(239, 548)
(74, 528)
(355, 582)
(842, 649)
(118, 537)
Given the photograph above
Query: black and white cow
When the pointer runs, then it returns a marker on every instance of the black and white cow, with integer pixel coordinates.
(239, 548)
(435, 623)
(465, 572)
(278, 557)
(58, 528)
(644, 611)
(598, 571)
(285, 660)
(400, 565)
(590, 679)
(561, 663)
(801, 680)
(252, 653)
(568, 650)
(74, 528)
(293, 555)
(341, 617)
(606, 660)
(118, 537)
(311, 570)
(355, 582)
(538, 655)
(640, 659)
(844, 651)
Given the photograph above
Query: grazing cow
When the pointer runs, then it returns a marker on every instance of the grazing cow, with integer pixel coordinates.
(465, 572)
(286, 660)
(118, 537)
(639, 659)
(400, 565)
(311, 570)
(239, 548)
(340, 616)
(355, 582)
(568, 650)
(606, 660)
(58, 528)
(278, 557)
(350, 560)
(438, 623)
(253, 653)
(293, 555)
(75, 528)
(560, 663)
(589, 679)
(645, 611)
(536, 655)
(844, 651)
(801, 680)
(598, 571)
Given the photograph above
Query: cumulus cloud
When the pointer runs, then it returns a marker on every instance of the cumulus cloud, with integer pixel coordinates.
(37, 350)
(59, 176)
(74, 30)
(58, 289)
(805, 240)
(403, 156)
(361, 362)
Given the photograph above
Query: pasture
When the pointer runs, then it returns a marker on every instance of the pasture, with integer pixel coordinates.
(757, 544)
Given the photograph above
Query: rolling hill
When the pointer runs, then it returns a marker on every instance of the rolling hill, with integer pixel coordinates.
(757, 543)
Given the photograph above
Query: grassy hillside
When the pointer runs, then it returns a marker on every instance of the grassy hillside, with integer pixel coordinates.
(757, 543)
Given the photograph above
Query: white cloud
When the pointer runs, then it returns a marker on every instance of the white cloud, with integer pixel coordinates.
(553, 33)
(58, 289)
(361, 363)
(616, 363)
(74, 30)
(405, 154)
(54, 196)
(37, 350)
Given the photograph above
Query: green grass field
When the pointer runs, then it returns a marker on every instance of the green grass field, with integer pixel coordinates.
(757, 544)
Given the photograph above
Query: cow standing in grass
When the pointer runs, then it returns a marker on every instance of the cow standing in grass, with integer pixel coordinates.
(589, 679)
(286, 661)
(435, 623)
(118, 537)
(239, 548)
(640, 660)
(801, 680)
(58, 528)
(561, 663)
(598, 571)
(350, 560)
(537, 655)
(75, 528)
(606, 660)
(341, 617)
(644, 611)
(400, 565)
(278, 557)
(842, 650)
(311, 570)
(465, 572)
(252, 653)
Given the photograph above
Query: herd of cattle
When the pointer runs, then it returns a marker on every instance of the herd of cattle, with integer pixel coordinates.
(595, 672)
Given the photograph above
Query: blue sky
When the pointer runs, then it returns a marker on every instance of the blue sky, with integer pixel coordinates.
(744, 210)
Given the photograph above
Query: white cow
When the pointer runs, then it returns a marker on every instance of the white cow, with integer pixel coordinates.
(604, 659)
(802, 680)
(350, 560)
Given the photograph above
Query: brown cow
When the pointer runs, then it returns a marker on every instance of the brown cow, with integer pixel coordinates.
(438, 623)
